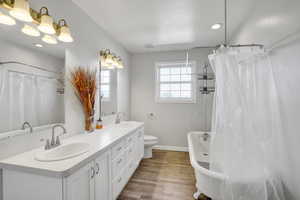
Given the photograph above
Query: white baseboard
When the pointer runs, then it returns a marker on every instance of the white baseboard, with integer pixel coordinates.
(171, 148)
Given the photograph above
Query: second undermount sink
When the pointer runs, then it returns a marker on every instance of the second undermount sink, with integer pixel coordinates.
(63, 152)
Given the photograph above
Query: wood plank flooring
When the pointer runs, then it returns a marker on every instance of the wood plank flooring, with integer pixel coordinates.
(166, 176)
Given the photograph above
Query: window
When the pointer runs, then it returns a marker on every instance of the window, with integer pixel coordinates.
(105, 85)
(175, 82)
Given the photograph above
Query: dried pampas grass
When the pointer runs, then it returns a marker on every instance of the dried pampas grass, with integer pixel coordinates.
(85, 87)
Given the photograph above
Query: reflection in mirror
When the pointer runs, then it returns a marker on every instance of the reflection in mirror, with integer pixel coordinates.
(31, 83)
(108, 91)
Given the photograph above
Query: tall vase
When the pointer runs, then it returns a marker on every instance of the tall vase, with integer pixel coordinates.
(89, 123)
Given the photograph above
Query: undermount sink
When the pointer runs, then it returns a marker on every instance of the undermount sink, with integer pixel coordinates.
(62, 152)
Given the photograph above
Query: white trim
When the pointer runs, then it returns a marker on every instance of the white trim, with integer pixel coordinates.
(193, 99)
(171, 148)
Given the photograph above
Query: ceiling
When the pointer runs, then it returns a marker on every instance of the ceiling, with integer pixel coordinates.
(157, 25)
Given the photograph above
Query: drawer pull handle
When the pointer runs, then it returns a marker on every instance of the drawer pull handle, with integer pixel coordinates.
(120, 160)
(93, 172)
(98, 168)
(119, 180)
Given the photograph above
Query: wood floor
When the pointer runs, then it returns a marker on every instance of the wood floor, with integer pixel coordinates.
(167, 176)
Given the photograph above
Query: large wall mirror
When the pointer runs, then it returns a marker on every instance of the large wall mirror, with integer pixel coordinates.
(31, 81)
(108, 89)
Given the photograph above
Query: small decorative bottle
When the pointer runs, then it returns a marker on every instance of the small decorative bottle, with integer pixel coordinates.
(99, 124)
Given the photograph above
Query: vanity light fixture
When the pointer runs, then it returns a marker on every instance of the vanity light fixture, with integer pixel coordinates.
(30, 31)
(49, 39)
(46, 24)
(109, 60)
(64, 32)
(216, 26)
(21, 11)
(7, 20)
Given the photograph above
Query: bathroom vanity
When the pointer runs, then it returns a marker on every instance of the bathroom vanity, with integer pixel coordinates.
(100, 173)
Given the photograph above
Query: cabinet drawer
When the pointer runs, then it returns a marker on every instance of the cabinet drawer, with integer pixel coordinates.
(131, 152)
(130, 140)
(118, 149)
(118, 164)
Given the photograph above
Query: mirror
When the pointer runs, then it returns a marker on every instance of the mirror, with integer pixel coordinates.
(31, 81)
(109, 91)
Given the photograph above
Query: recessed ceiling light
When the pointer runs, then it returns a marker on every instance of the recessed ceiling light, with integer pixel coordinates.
(38, 45)
(216, 26)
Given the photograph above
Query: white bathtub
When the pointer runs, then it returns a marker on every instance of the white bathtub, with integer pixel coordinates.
(208, 182)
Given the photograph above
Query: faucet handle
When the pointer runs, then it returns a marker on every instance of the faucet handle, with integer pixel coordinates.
(47, 146)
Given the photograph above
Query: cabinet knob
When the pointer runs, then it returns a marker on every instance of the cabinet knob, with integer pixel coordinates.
(120, 160)
(119, 180)
(98, 168)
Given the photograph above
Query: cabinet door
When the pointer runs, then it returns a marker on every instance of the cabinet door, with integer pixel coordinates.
(102, 177)
(80, 185)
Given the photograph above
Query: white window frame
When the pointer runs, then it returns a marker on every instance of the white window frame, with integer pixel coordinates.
(109, 84)
(193, 82)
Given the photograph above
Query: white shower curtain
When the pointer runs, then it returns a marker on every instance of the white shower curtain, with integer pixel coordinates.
(246, 144)
(28, 97)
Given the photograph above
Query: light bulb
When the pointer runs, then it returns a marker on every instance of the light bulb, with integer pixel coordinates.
(65, 34)
(49, 39)
(109, 60)
(216, 26)
(46, 25)
(29, 30)
(21, 11)
(7, 20)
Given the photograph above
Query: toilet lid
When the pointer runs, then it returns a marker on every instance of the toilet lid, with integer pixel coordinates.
(149, 138)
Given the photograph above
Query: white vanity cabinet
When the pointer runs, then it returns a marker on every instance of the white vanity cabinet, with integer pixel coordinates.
(102, 178)
(90, 182)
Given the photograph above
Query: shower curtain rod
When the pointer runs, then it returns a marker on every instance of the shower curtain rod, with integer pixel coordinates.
(28, 65)
(235, 45)
(31, 74)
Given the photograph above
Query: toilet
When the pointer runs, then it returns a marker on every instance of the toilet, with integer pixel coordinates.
(149, 142)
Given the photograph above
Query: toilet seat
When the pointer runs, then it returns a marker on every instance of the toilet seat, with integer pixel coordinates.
(150, 138)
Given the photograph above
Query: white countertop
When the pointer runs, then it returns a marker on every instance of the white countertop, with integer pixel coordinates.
(99, 140)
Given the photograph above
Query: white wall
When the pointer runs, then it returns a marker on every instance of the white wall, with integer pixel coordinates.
(89, 40)
(171, 122)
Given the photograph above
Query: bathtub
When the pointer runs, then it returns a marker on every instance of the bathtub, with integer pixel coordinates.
(207, 182)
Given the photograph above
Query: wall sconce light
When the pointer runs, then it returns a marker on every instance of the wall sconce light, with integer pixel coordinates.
(46, 25)
(21, 11)
(29, 30)
(109, 60)
(64, 32)
(6, 20)
(49, 39)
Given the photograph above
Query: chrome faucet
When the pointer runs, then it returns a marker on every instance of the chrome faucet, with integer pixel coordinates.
(205, 136)
(27, 124)
(118, 118)
(54, 142)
